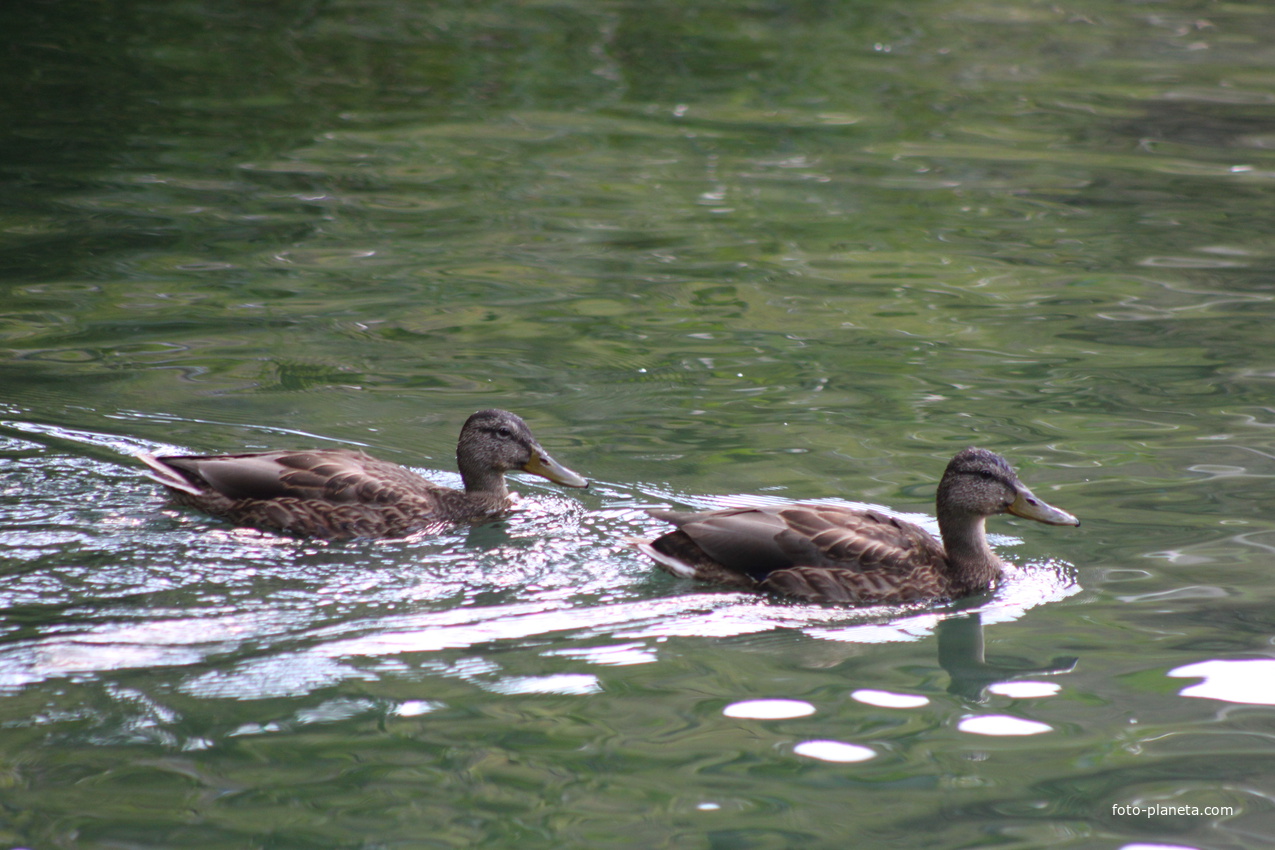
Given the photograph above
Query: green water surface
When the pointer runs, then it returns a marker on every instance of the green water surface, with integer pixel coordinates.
(710, 251)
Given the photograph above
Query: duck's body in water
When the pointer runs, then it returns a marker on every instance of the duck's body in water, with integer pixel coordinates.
(827, 553)
(337, 493)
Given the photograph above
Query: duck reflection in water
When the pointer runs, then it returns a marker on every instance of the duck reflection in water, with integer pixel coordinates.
(961, 654)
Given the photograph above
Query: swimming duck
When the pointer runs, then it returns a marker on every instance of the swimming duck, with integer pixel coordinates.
(337, 493)
(828, 553)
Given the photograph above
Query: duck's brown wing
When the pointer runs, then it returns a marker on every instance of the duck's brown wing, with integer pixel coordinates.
(818, 552)
(741, 540)
(863, 541)
(337, 476)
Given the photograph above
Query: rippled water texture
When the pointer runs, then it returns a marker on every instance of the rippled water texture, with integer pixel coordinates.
(713, 254)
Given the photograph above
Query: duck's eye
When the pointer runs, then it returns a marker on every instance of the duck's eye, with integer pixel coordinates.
(504, 433)
(985, 475)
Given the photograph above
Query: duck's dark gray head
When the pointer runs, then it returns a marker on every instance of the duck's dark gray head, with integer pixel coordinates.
(494, 442)
(979, 482)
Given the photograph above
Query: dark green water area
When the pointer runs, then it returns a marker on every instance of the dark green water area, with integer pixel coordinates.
(711, 252)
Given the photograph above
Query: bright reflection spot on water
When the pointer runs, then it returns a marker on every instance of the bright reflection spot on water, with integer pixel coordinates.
(562, 683)
(900, 630)
(886, 699)
(1025, 690)
(1002, 725)
(334, 710)
(616, 655)
(416, 707)
(1141, 846)
(769, 709)
(255, 729)
(833, 751)
(1248, 680)
(707, 807)
(281, 676)
(64, 657)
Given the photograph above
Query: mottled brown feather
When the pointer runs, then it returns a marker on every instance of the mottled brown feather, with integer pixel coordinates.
(830, 553)
(337, 493)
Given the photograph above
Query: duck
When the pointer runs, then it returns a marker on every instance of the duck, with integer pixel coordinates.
(342, 493)
(842, 555)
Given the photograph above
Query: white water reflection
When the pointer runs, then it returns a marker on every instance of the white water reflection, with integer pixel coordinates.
(616, 655)
(998, 725)
(381, 600)
(416, 707)
(769, 709)
(834, 751)
(315, 613)
(562, 683)
(1250, 681)
(273, 677)
(886, 699)
(1025, 689)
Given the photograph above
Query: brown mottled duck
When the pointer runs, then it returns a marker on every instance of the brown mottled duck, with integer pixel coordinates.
(337, 493)
(827, 553)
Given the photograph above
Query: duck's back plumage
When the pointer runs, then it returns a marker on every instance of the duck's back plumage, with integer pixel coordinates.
(831, 553)
(336, 475)
(319, 493)
(819, 552)
(338, 493)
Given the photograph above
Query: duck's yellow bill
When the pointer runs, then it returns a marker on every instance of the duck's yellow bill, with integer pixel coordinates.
(1028, 506)
(546, 467)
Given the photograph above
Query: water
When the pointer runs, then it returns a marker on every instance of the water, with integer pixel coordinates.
(711, 253)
